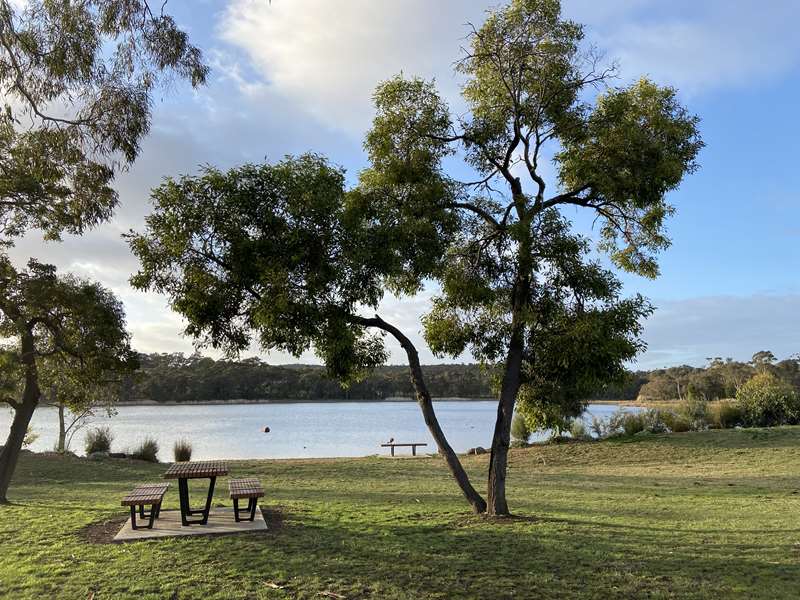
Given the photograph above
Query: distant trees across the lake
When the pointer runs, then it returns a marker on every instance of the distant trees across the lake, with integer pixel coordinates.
(180, 378)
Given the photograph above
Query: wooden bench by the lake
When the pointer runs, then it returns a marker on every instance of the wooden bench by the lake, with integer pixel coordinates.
(245, 488)
(148, 494)
(394, 445)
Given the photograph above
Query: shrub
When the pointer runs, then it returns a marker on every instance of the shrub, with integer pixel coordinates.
(578, 430)
(598, 427)
(766, 401)
(695, 409)
(654, 421)
(633, 423)
(98, 440)
(182, 450)
(613, 426)
(519, 429)
(725, 414)
(147, 450)
(674, 422)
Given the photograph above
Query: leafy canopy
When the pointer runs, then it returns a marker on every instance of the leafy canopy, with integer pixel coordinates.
(78, 79)
(282, 250)
(60, 319)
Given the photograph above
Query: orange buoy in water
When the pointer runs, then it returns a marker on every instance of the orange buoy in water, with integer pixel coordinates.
(265, 430)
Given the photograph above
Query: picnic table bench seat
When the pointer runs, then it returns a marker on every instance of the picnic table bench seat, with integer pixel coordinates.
(249, 488)
(146, 494)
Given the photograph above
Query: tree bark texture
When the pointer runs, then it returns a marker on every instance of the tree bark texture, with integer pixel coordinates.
(23, 412)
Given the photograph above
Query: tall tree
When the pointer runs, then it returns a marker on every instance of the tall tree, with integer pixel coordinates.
(529, 82)
(52, 317)
(285, 251)
(78, 80)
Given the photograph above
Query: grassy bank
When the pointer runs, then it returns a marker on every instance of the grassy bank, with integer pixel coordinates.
(696, 515)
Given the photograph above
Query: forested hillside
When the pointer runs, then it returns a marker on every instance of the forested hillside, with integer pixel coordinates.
(180, 378)
(195, 378)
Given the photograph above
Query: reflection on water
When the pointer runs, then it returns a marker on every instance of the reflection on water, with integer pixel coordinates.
(297, 430)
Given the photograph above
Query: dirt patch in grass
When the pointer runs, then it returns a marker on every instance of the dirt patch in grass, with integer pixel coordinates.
(101, 532)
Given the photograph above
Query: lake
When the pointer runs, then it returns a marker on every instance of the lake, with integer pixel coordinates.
(297, 429)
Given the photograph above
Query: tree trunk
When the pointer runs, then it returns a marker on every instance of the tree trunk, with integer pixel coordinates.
(501, 439)
(475, 500)
(23, 412)
(62, 431)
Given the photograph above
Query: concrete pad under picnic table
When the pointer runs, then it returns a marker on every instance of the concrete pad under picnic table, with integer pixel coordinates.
(220, 520)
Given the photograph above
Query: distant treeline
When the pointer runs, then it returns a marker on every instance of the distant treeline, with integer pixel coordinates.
(720, 378)
(180, 378)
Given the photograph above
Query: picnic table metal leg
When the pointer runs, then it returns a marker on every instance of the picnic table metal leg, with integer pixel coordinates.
(133, 517)
(252, 506)
(186, 510)
(183, 493)
(208, 500)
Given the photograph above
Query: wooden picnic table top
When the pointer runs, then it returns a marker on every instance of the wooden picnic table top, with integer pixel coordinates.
(197, 469)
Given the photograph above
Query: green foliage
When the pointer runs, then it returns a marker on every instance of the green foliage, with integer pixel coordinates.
(767, 401)
(725, 414)
(182, 450)
(636, 145)
(146, 450)
(84, 75)
(695, 409)
(519, 429)
(98, 440)
(676, 422)
(279, 250)
(65, 317)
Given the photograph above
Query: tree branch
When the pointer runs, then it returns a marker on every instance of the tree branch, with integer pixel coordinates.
(478, 211)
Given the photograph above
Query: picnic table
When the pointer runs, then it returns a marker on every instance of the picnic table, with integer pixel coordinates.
(394, 445)
(183, 471)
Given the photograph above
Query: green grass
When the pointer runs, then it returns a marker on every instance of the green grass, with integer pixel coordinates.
(696, 515)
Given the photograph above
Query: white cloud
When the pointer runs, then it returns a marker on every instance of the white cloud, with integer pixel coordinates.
(329, 56)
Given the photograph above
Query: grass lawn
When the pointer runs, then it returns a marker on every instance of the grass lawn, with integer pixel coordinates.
(696, 515)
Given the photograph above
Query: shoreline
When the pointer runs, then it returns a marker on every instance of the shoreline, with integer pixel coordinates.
(245, 401)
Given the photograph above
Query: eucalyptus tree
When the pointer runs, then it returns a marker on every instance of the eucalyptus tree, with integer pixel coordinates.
(532, 90)
(78, 81)
(44, 316)
(286, 254)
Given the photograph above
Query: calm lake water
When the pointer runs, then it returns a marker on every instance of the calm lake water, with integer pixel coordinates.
(297, 430)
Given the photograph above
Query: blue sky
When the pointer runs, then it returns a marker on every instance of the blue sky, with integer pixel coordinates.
(296, 75)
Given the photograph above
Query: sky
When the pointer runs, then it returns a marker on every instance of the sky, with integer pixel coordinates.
(290, 76)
